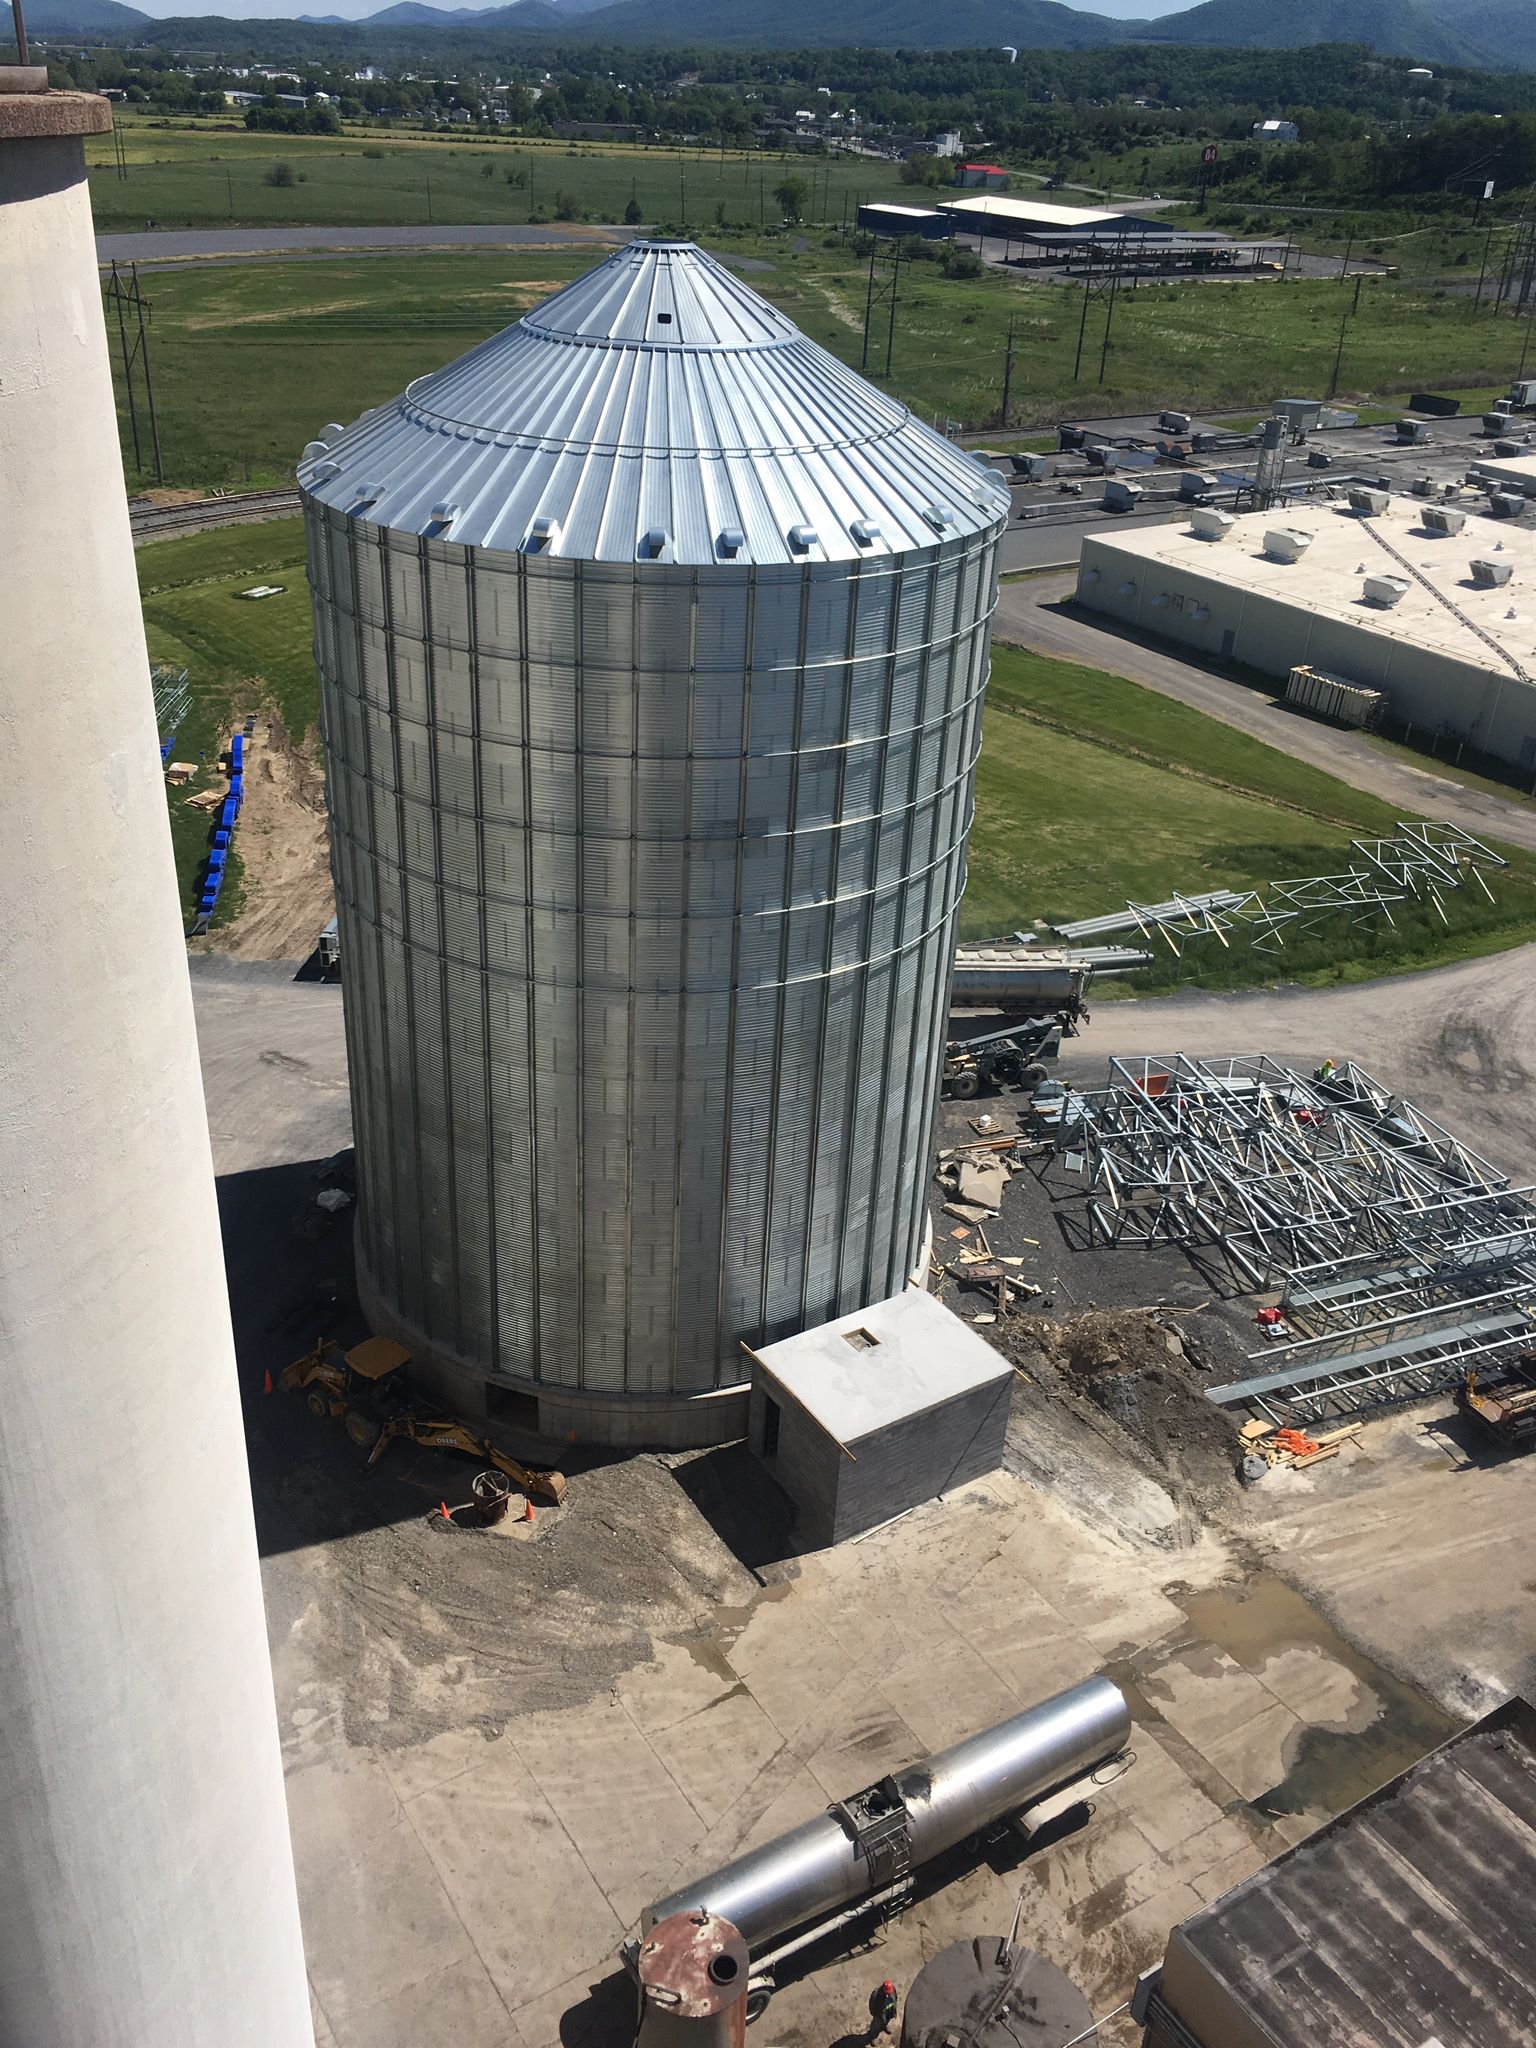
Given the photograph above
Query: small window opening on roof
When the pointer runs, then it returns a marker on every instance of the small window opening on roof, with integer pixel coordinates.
(663, 319)
(861, 1340)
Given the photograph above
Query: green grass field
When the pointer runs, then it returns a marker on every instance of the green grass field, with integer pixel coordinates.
(249, 360)
(1091, 790)
(241, 657)
(210, 174)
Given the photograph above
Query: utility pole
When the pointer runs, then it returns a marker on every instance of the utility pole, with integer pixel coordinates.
(128, 298)
(874, 293)
(1483, 270)
(229, 185)
(1338, 355)
(1008, 373)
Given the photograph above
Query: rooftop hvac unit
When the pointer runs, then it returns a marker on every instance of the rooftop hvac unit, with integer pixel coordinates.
(1301, 415)
(1415, 431)
(1207, 523)
(1385, 591)
(1371, 503)
(1120, 497)
(1442, 519)
(1423, 487)
(1195, 483)
(1490, 575)
(1495, 422)
(1286, 543)
(1506, 449)
(1505, 504)
(1174, 422)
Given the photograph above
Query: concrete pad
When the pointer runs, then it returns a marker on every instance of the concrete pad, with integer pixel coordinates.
(528, 1903)
(1319, 1689)
(1255, 1758)
(854, 1737)
(1203, 1693)
(614, 1797)
(789, 1662)
(782, 1795)
(324, 2038)
(717, 1754)
(376, 1920)
(591, 2010)
(680, 1681)
(1233, 1870)
(1107, 1967)
(945, 1692)
(1169, 1807)
(1082, 1866)
(431, 1764)
(459, 2006)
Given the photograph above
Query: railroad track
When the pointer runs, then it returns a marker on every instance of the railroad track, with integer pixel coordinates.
(240, 508)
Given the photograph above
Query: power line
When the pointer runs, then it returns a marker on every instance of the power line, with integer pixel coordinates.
(133, 312)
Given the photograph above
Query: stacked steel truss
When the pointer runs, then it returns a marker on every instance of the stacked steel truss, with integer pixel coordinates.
(1422, 860)
(1396, 1256)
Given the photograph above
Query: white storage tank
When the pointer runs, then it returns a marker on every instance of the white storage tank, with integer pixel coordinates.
(653, 643)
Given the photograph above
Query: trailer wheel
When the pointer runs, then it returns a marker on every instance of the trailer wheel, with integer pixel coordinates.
(965, 1085)
(758, 1996)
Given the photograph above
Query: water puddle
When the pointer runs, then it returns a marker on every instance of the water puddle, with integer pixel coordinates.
(711, 1647)
(1361, 1725)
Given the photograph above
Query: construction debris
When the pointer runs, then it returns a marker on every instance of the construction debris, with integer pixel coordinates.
(1423, 860)
(1399, 1256)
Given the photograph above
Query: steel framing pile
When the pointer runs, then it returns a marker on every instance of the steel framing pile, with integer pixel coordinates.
(1423, 860)
(1400, 1257)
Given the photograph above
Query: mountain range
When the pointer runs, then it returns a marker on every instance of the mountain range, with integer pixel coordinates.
(1495, 35)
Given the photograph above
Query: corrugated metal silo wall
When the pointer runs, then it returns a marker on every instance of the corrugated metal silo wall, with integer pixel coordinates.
(649, 1063)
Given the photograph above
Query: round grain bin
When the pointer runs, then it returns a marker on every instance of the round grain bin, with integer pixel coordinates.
(653, 644)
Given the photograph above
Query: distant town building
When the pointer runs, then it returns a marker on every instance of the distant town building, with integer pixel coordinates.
(982, 177)
(947, 142)
(1276, 131)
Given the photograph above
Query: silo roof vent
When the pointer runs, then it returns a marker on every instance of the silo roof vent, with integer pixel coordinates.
(659, 378)
(543, 533)
(731, 542)
(802, 538)
(939, 516)
(865, 531)
(654, 545)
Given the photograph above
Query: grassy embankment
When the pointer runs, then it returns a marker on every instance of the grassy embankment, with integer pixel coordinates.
(1091, 789)
(242, 656)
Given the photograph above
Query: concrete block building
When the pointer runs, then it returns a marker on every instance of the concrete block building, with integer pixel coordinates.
(1435, 609)
(862, 1418)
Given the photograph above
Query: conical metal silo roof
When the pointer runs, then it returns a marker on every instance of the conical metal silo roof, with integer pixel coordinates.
(656, 409)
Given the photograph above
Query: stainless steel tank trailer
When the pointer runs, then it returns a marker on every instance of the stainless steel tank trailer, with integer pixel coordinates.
(862, 1855)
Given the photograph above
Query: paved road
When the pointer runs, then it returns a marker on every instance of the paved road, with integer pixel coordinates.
(1033, 614)
(180, 244)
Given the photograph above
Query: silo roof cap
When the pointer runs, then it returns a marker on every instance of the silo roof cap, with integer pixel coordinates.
(657, 393)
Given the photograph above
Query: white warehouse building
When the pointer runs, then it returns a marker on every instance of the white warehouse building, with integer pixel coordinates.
(1434, 608)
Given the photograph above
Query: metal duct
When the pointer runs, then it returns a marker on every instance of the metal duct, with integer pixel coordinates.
(864, 1843)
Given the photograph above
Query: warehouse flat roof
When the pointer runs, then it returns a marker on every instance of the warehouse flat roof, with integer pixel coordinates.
(1405, 1920)
(1518, 471)
(1030, 212)
(921, 1356)
(907, 212)
(1330, 576)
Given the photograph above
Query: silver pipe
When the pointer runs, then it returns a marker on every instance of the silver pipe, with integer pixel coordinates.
(860, 1844)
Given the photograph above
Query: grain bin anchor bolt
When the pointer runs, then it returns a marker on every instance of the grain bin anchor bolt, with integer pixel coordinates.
(693, 1972)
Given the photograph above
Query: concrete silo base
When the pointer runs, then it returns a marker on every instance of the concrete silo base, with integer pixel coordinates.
(562, 1415)
(662, 1422)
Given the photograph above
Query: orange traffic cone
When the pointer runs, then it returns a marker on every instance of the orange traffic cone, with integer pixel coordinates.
(527, 1510)
(445, 1511)
(266, 1382)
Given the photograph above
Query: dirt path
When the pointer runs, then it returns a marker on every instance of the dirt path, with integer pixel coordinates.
(1032, 613)
(283, 845)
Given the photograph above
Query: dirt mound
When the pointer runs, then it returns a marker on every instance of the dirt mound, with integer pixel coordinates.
(284, 847)
(1110, 1341)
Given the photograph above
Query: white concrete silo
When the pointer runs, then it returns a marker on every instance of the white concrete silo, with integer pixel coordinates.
(653, 643)
(146, 1882)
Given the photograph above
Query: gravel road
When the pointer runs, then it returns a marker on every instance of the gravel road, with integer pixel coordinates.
(162, 244)
(1035, 614)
